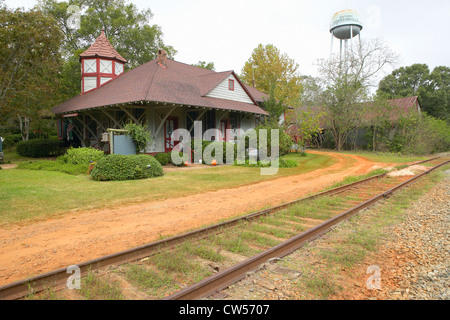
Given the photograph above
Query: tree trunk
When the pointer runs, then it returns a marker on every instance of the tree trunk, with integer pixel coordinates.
(374, 139)
(24, 124)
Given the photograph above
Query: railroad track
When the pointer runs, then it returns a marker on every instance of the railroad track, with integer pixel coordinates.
(272, 233)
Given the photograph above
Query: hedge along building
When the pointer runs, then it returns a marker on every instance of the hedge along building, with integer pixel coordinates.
(163, 94)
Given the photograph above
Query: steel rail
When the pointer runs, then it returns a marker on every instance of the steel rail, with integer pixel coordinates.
(223, 279)
(57, 278)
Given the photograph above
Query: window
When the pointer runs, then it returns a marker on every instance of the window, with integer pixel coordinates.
(190, 118)
(90, 83)
(230, 84)
(90, 66)
(119, 68)
(210, 119)
(105, 66)
(234, 120)
(103, 80)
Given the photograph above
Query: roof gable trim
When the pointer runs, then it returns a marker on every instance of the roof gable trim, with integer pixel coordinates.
(222, 79)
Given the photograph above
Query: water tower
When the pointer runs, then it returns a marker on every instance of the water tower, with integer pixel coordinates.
(345, 25)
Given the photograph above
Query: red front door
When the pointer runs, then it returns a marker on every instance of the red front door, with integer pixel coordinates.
(224, 125)
(170, 126)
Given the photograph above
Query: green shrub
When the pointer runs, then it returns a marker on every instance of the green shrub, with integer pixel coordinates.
(81, 155)
(48, 165)
(283, 164)
(163, 158)
(40, 148)
(75, 161)
(11, 140)
(166, 158)
(420, 134)
(284, 144)
(130, 167)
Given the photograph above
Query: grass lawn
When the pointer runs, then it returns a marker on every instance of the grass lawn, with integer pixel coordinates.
(12, 157)
(385, 157)
(29, 194)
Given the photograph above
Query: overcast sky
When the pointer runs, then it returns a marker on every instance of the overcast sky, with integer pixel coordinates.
(226, 32)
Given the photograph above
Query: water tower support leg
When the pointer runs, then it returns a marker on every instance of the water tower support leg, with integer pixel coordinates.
(351, 28)
(346, 48)
(331, 47)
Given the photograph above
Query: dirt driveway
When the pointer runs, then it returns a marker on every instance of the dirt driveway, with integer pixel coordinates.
(77, 237)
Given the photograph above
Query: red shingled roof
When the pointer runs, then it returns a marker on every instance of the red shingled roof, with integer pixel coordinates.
(210, 80)
(258, 95)
(179, 83)
(102, 48)
(406, 103)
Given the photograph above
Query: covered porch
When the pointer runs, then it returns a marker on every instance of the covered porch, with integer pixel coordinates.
(89, 127)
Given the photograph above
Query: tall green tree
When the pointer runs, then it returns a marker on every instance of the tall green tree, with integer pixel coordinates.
(205, 65)
(404, 81)
(274, 107)
(268, 68)
(307, 124)
(435, 94)
(342, 103)
(346, 83)
(432, 88)
(127, 28)
(379, 119)
(29, 64)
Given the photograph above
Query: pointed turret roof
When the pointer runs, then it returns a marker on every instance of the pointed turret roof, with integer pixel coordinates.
(102, 48)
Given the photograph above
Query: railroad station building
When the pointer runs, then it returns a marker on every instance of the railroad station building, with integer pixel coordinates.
(162, 94)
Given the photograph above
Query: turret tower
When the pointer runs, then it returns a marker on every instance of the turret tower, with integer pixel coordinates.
(100, 64)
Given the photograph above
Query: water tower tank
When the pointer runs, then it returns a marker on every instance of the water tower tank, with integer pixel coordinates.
(346, 24)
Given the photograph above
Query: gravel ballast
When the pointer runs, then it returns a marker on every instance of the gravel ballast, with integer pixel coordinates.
(424, 238)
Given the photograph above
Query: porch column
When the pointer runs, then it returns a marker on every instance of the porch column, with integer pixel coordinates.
(85, 126)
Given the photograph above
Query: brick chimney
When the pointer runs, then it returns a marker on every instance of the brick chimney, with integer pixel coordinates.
(162, 58)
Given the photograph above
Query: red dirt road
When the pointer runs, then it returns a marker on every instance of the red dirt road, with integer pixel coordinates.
(85, 235)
